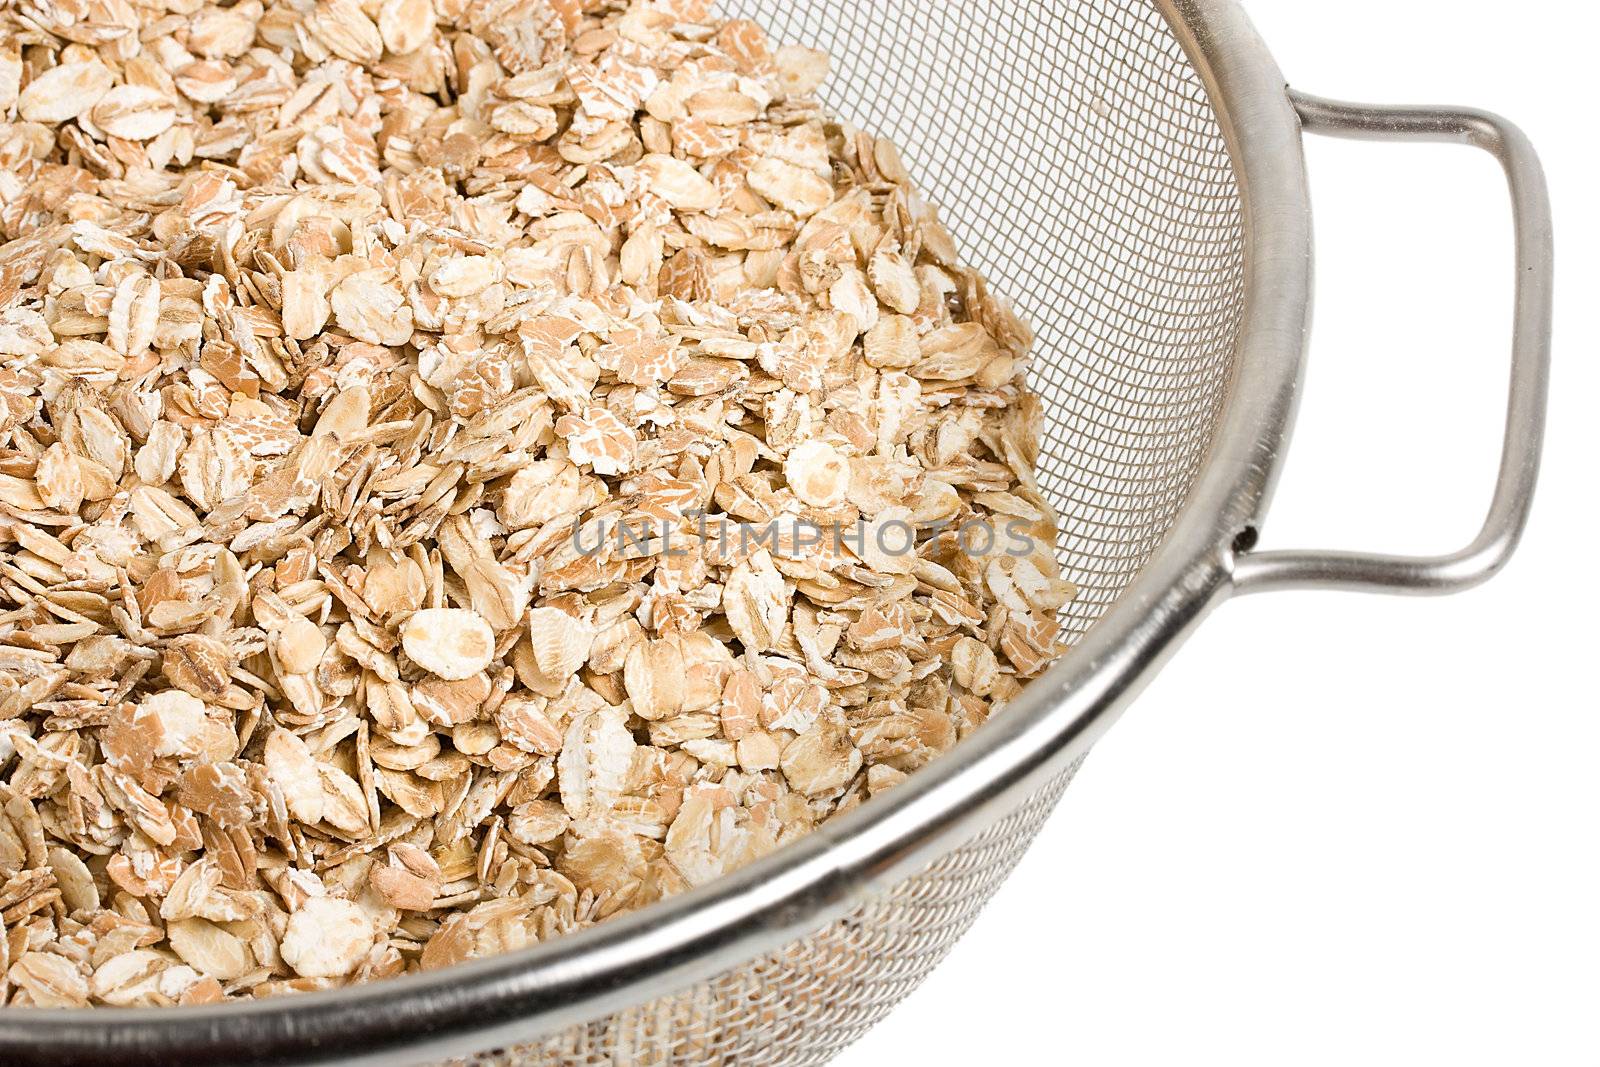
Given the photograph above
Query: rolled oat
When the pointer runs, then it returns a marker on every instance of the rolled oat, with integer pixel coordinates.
(419, 421)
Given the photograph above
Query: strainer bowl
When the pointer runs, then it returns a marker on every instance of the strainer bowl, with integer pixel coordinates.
(1130, 173)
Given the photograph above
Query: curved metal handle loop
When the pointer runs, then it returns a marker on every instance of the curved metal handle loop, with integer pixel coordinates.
(1530, 365)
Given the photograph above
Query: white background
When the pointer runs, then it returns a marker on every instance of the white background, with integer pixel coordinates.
(1337, 828)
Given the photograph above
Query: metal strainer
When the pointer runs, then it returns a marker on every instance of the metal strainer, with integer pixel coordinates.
(1131, 173)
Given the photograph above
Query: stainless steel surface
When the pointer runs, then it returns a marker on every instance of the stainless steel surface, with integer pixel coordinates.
(1131, 172)
(1530, 363)
(787, 1007)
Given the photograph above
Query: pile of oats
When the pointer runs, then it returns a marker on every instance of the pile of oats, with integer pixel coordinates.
(324, 327)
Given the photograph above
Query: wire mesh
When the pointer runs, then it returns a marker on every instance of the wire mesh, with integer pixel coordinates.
(1076, 158)
(800, 1006)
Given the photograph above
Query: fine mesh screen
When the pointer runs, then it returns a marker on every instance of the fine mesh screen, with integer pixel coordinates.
(1072, 149)
(1073, 153)
(801, 1006)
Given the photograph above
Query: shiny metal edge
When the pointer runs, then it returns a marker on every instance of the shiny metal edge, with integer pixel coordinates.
(521, 996)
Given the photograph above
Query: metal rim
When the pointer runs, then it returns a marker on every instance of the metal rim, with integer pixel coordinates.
(514, 998)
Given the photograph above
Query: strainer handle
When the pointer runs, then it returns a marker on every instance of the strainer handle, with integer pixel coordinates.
(1530, 365)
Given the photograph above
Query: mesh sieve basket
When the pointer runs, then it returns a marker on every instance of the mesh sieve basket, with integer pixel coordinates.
(1130, 173)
